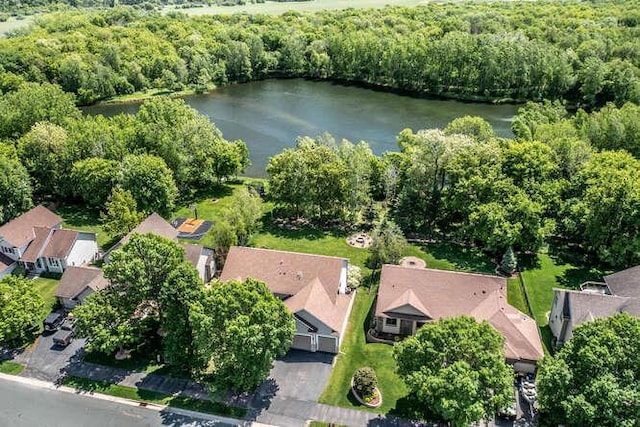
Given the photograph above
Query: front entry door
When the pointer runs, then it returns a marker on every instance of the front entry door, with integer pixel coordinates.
(406, 327)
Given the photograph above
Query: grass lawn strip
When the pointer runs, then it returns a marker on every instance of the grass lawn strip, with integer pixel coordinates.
(198, 405)
(10, 368)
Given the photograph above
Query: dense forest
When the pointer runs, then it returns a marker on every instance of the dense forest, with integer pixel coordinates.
(584, 53)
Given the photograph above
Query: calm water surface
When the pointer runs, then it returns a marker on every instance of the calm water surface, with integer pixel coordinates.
(269, 115)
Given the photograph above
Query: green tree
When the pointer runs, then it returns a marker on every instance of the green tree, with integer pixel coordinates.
(150, 182)
(509, 261)
(223, 236)
(43, 151)
(240, 328)
(593, 379)
(15, 188)
(601, 210)
(456, 367)
(243, 215)
(93, 179)
(151, 290)
(475, 127)
(121, 214)
(21, 308)
(33, 103)
(387, 244)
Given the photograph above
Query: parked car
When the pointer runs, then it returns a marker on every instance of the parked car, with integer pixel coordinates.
(53, 321)
(63, 337)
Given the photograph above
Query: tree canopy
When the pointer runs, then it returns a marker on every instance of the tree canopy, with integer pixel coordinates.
(240, 328)
(21, 308)
(593, 379)
(456, 368)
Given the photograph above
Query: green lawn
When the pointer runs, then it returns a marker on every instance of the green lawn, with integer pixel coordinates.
(357, 353)
(46, 288)
(515, 296)
(132, 393)
(11, 368)
(546, 274)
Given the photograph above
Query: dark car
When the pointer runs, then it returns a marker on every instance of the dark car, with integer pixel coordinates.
(63, 337)
(53, 321)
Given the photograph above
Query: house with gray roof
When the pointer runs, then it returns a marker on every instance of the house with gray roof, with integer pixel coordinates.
(620, 292)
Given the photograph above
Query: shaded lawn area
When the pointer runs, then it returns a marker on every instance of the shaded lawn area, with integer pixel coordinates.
(10, 368)
(140, 361)
(210, 407)
(84, 218)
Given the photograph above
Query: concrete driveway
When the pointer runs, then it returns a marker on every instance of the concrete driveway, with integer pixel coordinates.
(45, 360)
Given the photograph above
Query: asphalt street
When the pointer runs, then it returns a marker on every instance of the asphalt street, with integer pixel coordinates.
(25, 405)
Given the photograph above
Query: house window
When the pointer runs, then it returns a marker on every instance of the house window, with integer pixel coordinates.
(391, 322)
(54, 262)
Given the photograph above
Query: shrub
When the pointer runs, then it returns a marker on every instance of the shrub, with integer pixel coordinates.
(365, 381)
(354, 277)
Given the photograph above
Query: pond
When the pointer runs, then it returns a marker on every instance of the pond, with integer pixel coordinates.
(269, 115)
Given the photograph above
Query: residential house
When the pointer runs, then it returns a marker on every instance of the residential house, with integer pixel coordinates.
(153, 224)
(77, 283)
(200, 257)
(36, 241)
(313, 287)
(620, 292)
(411, 297)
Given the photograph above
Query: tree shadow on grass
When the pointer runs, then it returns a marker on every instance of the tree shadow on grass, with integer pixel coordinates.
(573, 277)
(528, 261)
(410, 408)
(547, 338)
(464, 257)
(79, 215)
(217, 191)
(307, 231)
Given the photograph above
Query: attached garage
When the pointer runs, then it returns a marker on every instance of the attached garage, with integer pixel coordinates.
(328, 344)
(302, 342)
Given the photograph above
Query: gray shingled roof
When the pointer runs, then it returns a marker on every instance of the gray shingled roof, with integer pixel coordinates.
(625, 283)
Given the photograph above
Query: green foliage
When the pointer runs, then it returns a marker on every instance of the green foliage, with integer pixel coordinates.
(93, 179)
(240, 328)
(365, 381)
(456, 368)
(243, 216)
(15, 188)
(32, 103)
(20, 309)
(151, 289)
(150, 182)
(585, 53)
(475, 127)
(43, 151)
(121, 214)
(354, 277)
(602, 214)
(299, 180)
(593, 379)
(387, 244)
(223, 236)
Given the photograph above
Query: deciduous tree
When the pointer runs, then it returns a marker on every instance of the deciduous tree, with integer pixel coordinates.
(240, 328)
(15, 188)
(593, 379)
(456, 368)
(21, 308)
(122, 214)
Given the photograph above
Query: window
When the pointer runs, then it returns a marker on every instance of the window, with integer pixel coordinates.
(391, 322)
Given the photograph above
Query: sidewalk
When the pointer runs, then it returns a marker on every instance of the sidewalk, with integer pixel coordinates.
(282, 412)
